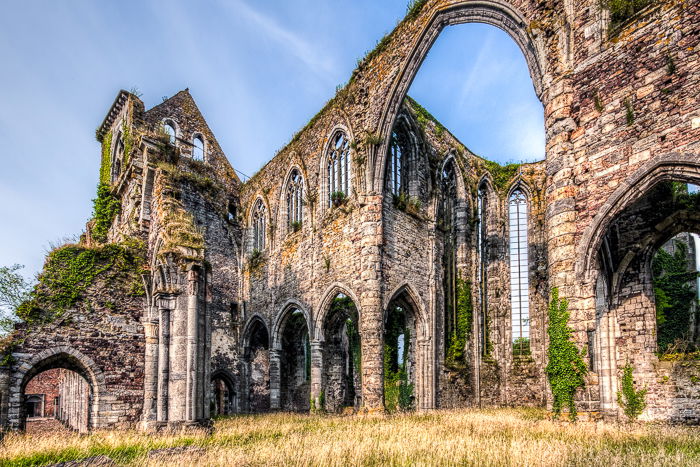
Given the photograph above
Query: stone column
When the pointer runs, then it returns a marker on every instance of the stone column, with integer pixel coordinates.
(316, 372)
(163, 359)
(426, 375)
(150, 377)
(4, 397)
(192, 346)
(275, 380)
(372, 319)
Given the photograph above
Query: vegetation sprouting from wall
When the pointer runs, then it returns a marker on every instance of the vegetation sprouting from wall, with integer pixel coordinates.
(105, 208)
(622, 10)
(71, 270)
(106, 160)
(630, 399)
(566, 369)
(457, 340)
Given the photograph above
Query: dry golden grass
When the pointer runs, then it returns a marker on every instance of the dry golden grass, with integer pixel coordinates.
(464, 437)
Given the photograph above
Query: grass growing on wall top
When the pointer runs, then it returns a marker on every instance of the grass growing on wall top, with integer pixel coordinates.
(71, 270)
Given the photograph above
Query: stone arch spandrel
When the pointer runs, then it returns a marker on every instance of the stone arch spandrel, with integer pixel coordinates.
(498, 13)
(674, 166)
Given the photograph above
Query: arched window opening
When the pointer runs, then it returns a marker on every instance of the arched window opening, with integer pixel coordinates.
(295, 384)
(295, 190)
(400, 159)
(119, 148)
(482, 267)
(676, 279)
(338, 168)
(342, 377)
(399, 357)
(258, 368)
(259, 226)
(456, 311)
(169, 131)
(519, 269)
(198, 148)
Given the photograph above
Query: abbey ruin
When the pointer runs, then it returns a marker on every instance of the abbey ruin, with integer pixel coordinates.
(375, 263)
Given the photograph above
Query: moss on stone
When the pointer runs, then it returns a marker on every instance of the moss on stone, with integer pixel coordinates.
(106, 159)
(501, 175)
(105, 208)
(457, 341)
(70, 270)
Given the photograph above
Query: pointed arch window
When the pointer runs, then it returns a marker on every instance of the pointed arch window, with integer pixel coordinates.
(400, 159)
(198, 148)
(295, 189)
(259, 225)
(119, 148)
(453, 352)
(519, 283)
(482, 263)
(338, 168)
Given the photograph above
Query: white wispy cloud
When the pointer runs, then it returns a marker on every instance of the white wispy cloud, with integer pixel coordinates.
(291, 41)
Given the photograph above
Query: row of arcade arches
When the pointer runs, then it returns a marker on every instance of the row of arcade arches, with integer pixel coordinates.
(283, 364)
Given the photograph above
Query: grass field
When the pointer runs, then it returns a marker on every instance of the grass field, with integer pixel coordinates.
(464, 437)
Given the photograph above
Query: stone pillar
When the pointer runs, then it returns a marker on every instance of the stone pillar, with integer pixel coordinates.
(4, 397)
(150, 377)
(191, 398)
(316, 372)
(177, 389)
(426, 375)
(372, 319)
(275, 380)
(163, 359)
(372, 327)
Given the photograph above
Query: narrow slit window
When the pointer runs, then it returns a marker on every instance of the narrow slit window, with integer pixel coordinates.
(519, 284)
(259, 226)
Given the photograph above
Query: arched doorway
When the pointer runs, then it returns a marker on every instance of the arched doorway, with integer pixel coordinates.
(342, 357)
(222, 395)
(646, 287)
(257, 365)
(295, 362)
(400, 354)
(57, 392)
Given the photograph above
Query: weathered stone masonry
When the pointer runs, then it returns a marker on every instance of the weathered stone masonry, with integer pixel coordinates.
(258, 312)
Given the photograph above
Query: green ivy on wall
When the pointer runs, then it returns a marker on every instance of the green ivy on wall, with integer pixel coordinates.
(105, 208)
(566, 369)
(106, 160)
(70, 270)
(457, 341)
(631, 400)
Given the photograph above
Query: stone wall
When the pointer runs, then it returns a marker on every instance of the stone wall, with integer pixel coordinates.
(621, 115)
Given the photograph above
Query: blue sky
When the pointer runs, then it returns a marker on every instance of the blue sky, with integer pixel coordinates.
(259, 70)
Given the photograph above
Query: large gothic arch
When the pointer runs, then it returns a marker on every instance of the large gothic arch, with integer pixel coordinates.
(499, 13)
